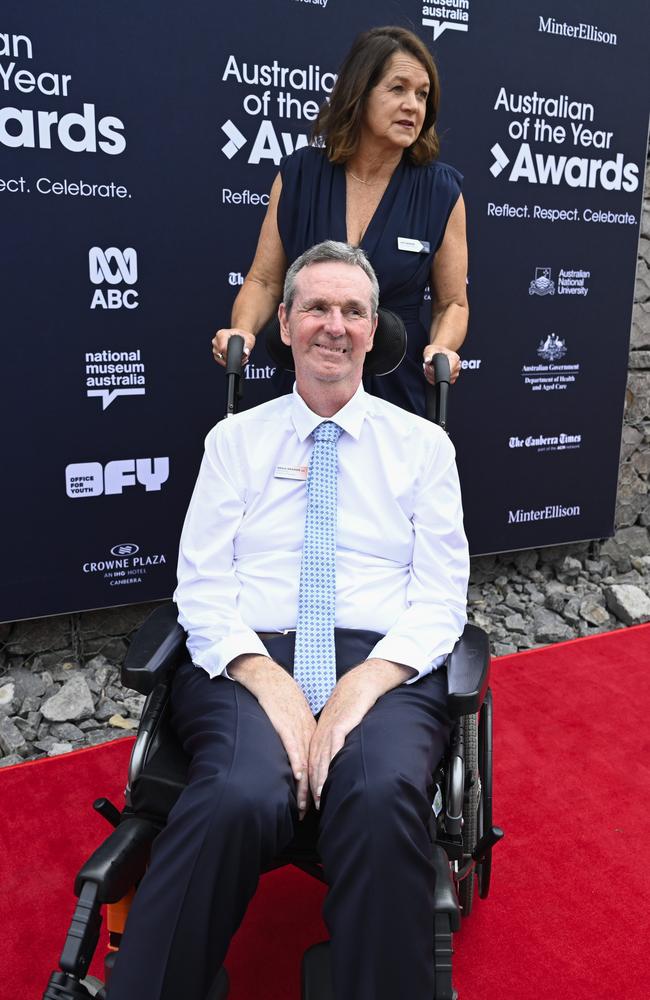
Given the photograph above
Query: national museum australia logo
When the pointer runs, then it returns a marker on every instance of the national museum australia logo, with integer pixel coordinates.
(445, 15)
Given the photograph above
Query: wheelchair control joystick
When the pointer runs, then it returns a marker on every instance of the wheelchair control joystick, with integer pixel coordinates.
(486, 843)
(106, 809)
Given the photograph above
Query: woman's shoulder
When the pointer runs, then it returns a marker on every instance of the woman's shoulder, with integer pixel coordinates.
(307, 159)
(438, 173)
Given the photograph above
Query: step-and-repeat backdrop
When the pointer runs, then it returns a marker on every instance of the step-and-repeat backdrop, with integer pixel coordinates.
(138, 143)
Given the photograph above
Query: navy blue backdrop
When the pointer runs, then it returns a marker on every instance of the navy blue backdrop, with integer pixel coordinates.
(137, 148)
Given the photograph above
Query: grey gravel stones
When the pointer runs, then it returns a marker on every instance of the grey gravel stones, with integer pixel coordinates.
(7, 694)
(593, 610)
(550, 627)
(53, 711)
(73, 701)
(629, 603)
(559, 593)
(10, 760)
(11, 738)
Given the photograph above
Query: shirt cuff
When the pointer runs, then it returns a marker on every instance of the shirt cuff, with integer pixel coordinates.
(215, 658)
(408, 654)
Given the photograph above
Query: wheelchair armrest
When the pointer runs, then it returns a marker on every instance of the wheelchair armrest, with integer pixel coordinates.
(445, 899)
(120, 861)
(468, 672)
(155, 650)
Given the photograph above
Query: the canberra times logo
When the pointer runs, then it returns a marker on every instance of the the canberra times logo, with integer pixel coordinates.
(113, 267)
(546, 442)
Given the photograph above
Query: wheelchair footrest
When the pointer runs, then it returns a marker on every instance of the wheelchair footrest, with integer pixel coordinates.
(317, 973)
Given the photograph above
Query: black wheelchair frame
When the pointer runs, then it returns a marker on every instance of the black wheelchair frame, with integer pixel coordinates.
(462, 834)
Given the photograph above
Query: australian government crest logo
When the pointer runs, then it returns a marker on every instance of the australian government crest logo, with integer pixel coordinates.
(552, 348)
(542, 283)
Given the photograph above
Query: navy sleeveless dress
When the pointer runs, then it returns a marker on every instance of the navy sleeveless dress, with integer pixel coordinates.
(415, 206)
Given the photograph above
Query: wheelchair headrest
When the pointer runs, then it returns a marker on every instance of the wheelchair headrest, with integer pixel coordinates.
(388, 349)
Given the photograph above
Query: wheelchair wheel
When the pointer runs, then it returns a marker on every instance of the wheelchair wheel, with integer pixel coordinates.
(471, 807)
(484, 870)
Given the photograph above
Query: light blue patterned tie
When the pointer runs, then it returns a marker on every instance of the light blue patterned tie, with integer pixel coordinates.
(315, 657)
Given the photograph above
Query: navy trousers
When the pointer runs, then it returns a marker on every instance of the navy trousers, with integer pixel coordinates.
(239, 811)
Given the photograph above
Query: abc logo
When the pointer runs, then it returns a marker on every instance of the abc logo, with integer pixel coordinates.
(113, 267)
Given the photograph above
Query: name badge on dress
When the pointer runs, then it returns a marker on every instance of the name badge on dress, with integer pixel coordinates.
(413, 246)
(290, 472)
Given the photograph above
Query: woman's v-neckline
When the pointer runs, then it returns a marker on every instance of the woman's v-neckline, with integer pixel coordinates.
(372, 231)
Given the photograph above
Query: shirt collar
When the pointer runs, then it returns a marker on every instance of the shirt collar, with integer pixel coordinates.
(350, 417)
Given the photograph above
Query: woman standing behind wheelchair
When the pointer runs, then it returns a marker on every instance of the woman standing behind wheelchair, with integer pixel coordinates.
(373, 181)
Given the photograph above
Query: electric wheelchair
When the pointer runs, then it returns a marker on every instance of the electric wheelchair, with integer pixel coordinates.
(462, 834)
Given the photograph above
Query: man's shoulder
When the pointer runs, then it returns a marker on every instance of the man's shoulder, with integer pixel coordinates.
(401, 432)
(403, 421)
(250, 421)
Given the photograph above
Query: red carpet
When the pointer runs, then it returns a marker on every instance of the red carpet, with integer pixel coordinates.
(568, 913)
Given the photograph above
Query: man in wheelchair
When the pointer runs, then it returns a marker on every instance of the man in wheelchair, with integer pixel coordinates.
(321, 582)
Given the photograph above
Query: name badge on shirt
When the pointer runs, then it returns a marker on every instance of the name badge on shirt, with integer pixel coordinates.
(413, 246)
(290, 472)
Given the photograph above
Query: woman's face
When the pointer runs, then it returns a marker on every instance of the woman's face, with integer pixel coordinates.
(396, 106)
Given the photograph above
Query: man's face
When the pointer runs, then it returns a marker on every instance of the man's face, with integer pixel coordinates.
(330, 328)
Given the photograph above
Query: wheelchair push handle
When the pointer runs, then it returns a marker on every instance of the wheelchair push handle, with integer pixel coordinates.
(234, 359)
(436, 396)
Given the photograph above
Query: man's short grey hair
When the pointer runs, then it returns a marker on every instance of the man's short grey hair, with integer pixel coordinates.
(340, 253)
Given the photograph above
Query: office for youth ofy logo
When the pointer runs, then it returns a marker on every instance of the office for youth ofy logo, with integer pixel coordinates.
(92, 479)
(113, 267)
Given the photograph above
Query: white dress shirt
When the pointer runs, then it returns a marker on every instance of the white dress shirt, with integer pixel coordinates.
(402, 560)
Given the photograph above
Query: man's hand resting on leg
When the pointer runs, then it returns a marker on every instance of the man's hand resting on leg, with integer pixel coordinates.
(310, 747)
(287, 709)
(354, 695)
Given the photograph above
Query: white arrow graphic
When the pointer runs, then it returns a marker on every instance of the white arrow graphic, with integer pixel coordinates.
(500, 160)
(237, 140)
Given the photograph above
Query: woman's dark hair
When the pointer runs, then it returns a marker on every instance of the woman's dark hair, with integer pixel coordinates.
(339, 122)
